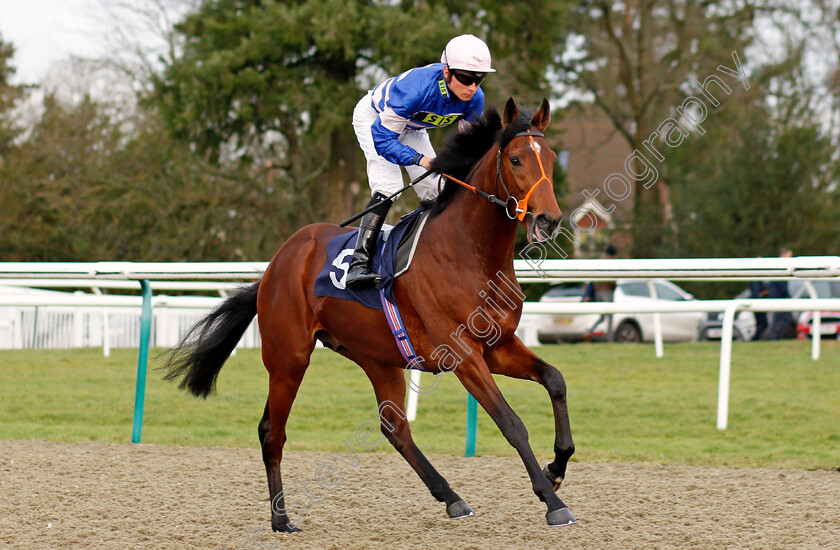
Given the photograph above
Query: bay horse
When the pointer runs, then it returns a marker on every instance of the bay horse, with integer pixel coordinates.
(467, 246)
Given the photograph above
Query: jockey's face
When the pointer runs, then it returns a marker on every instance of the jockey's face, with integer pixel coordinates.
(462, 91)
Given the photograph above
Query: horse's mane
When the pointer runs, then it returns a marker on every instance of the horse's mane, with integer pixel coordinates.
(464, 149)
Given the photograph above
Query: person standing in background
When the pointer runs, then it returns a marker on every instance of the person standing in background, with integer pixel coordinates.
(758, 289)
(601, 291)
(783, 323)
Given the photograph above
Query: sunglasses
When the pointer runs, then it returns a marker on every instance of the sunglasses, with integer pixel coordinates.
(468, 79)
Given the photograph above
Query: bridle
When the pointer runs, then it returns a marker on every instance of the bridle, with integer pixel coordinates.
(515, 209)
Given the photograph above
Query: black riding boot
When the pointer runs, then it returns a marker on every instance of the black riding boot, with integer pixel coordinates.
(360, 274)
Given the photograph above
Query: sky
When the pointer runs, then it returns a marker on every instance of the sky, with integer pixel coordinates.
(45, 32)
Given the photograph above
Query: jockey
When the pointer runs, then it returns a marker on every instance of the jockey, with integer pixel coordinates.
(391, 122)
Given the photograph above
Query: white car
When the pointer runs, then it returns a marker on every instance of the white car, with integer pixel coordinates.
(627, 327)
(743, 328)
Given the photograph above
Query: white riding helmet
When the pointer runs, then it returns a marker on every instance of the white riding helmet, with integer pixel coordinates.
(467, 53)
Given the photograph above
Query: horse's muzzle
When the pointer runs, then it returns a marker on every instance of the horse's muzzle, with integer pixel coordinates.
(545, 226)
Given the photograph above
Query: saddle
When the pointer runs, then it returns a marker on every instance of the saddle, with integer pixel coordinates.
(393, 256)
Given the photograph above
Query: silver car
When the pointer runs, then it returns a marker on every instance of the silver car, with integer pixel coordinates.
(627, 327)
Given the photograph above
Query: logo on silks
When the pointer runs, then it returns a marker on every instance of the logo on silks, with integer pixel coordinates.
(342, 264)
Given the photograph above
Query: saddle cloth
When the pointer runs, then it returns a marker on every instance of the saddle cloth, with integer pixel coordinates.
(393, 255)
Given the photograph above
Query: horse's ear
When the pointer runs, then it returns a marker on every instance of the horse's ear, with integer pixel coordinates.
(543, 116)
(511, 112)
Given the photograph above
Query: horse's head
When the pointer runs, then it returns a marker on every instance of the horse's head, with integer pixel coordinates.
(524, 169)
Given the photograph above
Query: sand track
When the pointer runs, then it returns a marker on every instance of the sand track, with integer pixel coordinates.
(94, 495)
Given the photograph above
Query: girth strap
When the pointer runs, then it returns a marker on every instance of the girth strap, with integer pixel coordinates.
(392, 314)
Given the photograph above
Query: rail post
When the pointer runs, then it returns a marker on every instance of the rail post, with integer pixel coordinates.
(816, 322)
(725, 364)
(142, 360)
(472, 421)
(413, 396)
(657, 323)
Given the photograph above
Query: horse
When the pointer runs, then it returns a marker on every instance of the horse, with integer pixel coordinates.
(466, 249)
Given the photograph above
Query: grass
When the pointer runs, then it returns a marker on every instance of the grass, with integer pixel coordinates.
(625, 405)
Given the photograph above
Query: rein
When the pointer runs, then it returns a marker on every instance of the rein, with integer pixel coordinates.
(516, 209)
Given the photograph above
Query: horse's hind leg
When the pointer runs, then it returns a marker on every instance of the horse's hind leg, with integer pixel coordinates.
(389, 386)
(517, 361)
(284, 380)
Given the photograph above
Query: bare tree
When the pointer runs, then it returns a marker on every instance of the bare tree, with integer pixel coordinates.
(636, 60)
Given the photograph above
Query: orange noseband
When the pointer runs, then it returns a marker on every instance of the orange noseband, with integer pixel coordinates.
(520, 208)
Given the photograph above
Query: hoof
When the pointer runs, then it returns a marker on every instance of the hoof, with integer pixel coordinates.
(285, 528)
(561, 516)
(555, 480)
(459, 509)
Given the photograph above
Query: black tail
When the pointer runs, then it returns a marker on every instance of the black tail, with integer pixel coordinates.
(199, 357)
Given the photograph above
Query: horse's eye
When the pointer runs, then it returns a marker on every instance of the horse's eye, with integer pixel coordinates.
(515, 161)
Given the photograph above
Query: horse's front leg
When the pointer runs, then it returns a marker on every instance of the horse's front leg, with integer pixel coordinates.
(476, 378)
(517, 361)
(389, 386)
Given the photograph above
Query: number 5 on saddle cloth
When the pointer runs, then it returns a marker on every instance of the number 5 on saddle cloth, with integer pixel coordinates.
(395, 249)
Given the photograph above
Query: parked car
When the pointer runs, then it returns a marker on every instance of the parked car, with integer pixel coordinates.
(829, 324)
(829, 320)
(627, 327)
(554, 328)
(743, 329)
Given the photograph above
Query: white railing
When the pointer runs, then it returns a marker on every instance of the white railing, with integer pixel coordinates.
(729, 307)
(135, 271)
(679, 269)
(527, 271)
(97, 285)
(531, 270)
(63, 320)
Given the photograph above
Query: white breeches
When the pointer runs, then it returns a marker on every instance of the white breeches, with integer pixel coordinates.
(384, 176)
